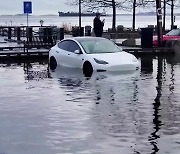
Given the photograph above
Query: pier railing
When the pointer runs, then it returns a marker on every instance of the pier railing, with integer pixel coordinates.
(33, 36)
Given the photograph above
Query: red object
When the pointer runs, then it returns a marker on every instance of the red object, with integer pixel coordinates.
(172, 35)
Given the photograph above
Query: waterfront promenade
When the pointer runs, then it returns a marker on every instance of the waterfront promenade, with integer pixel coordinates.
(14, 44)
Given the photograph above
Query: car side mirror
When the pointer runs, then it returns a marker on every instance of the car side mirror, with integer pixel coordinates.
(77, 52)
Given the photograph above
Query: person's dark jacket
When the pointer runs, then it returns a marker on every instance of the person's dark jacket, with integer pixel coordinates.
(98, 26)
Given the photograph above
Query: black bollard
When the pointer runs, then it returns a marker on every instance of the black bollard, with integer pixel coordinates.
(0, 30)
(9, 32)
(44, 35)
(89, 33)
(49, 33)
(147, 64)
(29, 32)
(61, 33)
(3, 31)
(147, 37)
(82, 31)
(87, 30)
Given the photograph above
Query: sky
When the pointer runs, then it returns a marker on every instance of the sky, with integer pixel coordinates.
(39, 7)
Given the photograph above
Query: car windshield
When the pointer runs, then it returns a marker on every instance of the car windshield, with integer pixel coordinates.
(174, 32)
(99, 46)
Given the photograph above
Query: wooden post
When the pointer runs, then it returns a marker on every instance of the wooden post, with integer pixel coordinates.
(79, 17)
(9, 32)
(24, 42)
(172, 14)
(29, 32)
(134, 15)
(61, 33)
(18, 33)
(45, 35)
(82, 31)
(3, 31)
(49, 32)
(89, 32)
(114, 15)
(0, 30)
(24, 32)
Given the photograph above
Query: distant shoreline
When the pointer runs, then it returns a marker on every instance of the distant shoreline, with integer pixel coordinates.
(74, 14)
(85, 14)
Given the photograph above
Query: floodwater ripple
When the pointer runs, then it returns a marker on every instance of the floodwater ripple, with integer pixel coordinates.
(61, 111)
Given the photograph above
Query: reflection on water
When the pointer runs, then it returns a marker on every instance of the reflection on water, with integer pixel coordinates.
(156, 106)
(62, 111)
(147, 64)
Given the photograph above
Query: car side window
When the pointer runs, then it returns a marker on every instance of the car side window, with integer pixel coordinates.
(64, 45)
(73, 46)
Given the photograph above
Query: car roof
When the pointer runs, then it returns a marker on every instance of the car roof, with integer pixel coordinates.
(85, 38)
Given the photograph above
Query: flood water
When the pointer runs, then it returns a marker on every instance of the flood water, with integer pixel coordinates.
(64, 112)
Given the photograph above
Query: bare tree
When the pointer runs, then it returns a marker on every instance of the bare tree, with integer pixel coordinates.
(92, 5)
(172, 4)
(137, 3)
(127, 5)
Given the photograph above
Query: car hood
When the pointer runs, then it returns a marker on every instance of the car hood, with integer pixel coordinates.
(113, 58)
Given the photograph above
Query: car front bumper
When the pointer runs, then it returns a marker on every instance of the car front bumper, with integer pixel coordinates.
(122, 67)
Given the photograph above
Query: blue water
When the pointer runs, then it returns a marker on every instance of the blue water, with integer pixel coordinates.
(63, 112)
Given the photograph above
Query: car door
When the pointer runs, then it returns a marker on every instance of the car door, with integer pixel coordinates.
(62, 52)
(75, 60)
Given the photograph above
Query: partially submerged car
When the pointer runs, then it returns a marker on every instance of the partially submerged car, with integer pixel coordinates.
(91, 54)
(171, 35)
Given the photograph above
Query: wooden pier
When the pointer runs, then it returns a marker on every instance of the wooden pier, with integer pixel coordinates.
(32, 35)
(11, 53)
(23, 56)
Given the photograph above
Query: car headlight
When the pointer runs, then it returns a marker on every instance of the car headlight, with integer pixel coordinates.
(134, 59)
(100, 61)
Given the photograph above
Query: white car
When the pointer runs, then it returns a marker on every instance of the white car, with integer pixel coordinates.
(91, 54)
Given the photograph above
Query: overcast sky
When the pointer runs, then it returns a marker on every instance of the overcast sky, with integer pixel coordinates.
(39, 6)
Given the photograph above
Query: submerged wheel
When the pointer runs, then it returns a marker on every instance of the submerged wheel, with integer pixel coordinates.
(87, 69)
(52, 63)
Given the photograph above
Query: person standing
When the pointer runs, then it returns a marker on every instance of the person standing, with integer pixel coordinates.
(98, 25)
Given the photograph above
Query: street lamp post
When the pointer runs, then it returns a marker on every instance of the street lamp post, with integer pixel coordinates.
(172, 14)
(41, 22)
(79, 17)
(159, 22)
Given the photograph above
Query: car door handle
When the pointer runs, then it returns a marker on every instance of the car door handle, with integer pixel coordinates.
(57, 51)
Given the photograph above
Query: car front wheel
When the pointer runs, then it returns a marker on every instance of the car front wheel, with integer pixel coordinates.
(52, 63)
(87, 69)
